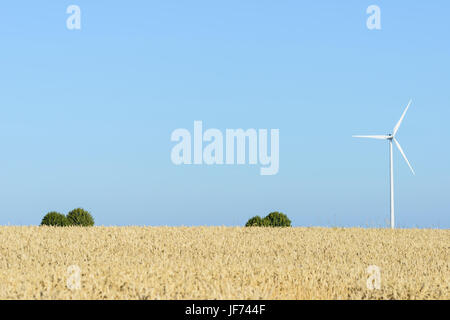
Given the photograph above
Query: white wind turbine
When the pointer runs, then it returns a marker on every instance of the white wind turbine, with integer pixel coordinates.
(390, 138)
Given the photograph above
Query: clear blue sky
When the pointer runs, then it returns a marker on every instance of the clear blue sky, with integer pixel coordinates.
(86, 115)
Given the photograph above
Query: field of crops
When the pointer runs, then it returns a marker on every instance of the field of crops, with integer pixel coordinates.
(222, 263)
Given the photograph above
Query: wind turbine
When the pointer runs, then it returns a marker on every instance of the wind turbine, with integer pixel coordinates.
(391, 138)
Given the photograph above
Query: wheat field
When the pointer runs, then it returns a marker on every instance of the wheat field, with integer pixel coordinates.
(222, 263)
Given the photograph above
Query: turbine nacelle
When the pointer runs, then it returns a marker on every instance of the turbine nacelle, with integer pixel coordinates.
(391, 137)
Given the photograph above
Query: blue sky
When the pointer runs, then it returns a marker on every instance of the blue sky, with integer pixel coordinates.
(86, 115)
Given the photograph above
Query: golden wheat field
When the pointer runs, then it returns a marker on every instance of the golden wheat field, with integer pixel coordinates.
(221, 263)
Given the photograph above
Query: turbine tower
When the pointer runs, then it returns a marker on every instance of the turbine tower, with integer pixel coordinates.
(391, 138)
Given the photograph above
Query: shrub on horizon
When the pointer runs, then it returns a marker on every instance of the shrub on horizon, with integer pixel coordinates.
(80, 217)
(255, 221)
(273, 219)
(277, 219)
(54, 218)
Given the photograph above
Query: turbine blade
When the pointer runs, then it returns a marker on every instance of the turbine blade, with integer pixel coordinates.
(379, 137)
(401, 119)
(404, 156)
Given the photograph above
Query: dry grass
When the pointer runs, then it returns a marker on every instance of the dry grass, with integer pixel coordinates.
(222, 263)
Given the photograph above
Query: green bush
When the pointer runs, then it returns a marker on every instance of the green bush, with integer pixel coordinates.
(273, 219)
(54, 219)
(80, 217)
(277, 219)
(256, 221)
